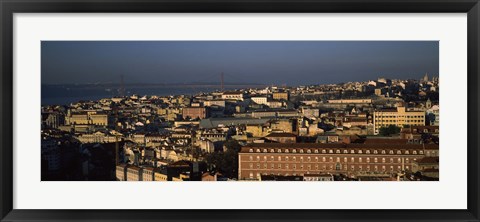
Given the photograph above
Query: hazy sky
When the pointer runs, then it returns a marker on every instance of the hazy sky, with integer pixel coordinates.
(266, 62)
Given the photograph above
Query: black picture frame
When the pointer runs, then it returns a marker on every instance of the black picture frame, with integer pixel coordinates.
(9, 7)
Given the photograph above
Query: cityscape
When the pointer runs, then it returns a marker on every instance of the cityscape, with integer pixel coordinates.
(226, 127)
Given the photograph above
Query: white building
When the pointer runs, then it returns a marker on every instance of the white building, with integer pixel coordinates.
(260, 100)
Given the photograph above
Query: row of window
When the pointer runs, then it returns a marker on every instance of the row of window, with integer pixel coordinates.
(340, 167)
(389, 116)
(345, 151)
(408, 121)
(330, 159)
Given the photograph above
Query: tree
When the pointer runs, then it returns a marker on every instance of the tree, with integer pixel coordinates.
(226, 162)
(390, 130)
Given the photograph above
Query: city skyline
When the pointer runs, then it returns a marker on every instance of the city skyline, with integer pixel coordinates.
(260, 62)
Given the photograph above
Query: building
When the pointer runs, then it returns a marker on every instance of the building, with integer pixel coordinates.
(398, 117)
(134, 173)
(286, 159)
(99, 137)
(120, 172)
(233, 96)
(51, 157)
(280, 96)
(86, 118)
(415, 132)
(350, 101)
(147, 174)
(282, 137)
(260, 100)
(195, 112)
(160, 175)
(318, 177)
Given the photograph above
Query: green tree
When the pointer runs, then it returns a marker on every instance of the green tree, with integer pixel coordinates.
(225, 162)
(390, 130)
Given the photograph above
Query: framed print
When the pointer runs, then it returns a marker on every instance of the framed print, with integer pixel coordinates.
(239, 110)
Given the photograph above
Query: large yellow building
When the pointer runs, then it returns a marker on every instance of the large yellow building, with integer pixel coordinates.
(280, 95)
(398, 117)
(87, 118)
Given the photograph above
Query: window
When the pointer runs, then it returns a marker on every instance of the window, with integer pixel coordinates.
(352, 151)
(316, 151)
(294, 151)
(391, 160)
(383, 160)
(324, 151)
(301, 150)
(286, 151)
(301, 159)
(251, 150)
(279, 158)
(399, 152)
(294, 158)
(375, 152)
(308, 159)
(368, 159)
(330, 151)
(414, 152)
(345, 160)
(258, 150)
(359, 151)
(390, 152)
(279, 150)
(279, 166)
(337, 151)
(324, 159)
(383, 151)
(250, 158)
(258, 158)
(352, 160)
(345, 151)
(421, 152)
(406, 152)
(375, 160)
(264, 150)
(360, 160)
(251, 166)
(367, 152)
(308, 151)
(264, 158)
(272, 151)
(286, 158)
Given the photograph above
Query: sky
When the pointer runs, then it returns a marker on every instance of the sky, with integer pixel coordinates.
(263, 62)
